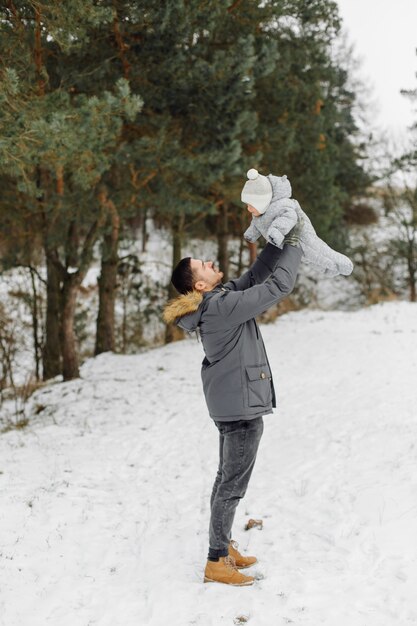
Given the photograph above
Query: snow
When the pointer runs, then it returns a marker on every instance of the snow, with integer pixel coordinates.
(104, 497)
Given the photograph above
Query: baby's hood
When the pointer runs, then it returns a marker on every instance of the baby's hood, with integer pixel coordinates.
(281, 187)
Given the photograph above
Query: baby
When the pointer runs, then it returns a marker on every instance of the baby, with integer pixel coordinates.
(275, 213)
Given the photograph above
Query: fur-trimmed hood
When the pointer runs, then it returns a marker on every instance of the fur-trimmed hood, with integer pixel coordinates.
(185, 310)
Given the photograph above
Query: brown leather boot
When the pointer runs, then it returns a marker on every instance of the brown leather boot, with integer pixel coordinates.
(241, 561)
(225, 571)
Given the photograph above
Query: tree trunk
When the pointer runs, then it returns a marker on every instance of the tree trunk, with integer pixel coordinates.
(107, 283)
(253, 247)
(412, 280)
(173, 333)
(70, 285)
(105, 318)
(240, 257)
(253, 251)
(411, 264)
(69, 353)
(35, 324)
(144, 229)
(223, 240)
(124, 297)
(52, 347)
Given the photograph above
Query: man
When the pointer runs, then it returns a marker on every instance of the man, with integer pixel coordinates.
(237, 379)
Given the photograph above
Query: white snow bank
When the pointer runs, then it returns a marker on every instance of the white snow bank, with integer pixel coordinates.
(104, 503)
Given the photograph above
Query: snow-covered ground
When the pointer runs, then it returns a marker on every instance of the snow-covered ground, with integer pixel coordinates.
(104, 497)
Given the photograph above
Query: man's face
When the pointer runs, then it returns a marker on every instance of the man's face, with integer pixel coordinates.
(252, 210)
(207, 276)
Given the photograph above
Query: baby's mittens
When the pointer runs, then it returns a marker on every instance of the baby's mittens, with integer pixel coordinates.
(251, 234)
(275, 236)
(344, 265)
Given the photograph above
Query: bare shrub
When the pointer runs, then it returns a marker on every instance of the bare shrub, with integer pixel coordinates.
(375, 273)
(15, 390)
(7, 348)
(361, 214)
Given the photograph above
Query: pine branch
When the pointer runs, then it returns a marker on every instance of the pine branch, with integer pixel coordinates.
(134, 177)
(234, 6)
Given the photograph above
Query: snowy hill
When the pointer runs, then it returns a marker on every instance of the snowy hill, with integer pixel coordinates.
(104, 499)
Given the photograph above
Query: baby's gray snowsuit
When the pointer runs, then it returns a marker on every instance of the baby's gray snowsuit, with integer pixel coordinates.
(279, 218)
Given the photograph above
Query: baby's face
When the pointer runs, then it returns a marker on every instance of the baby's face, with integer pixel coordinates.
(252, 210)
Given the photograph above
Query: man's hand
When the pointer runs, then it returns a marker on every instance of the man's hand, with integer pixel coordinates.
(293, 238)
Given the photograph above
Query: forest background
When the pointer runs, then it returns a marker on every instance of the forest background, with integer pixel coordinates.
(123, 120)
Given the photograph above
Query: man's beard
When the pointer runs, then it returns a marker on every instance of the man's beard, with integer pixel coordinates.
(219, 277)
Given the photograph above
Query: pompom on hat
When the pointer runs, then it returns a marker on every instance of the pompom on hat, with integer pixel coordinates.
(257, 191)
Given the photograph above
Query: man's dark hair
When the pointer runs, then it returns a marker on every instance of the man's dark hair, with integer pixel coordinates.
(182, 277)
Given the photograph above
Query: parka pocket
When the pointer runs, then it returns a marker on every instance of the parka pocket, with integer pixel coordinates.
(259, 385)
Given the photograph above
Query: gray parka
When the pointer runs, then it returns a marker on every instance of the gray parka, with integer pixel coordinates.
(237, 379)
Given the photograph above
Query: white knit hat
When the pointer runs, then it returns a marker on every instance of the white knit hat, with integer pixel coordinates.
(257, 191)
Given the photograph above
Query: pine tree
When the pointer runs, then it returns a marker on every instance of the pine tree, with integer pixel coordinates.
(57, 145)
(186, 61)
(306, 125)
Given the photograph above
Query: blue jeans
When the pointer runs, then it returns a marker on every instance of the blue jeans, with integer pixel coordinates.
(238, 446)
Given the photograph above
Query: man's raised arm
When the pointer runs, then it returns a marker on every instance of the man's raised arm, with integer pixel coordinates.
(238, 307)
(259, 271)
